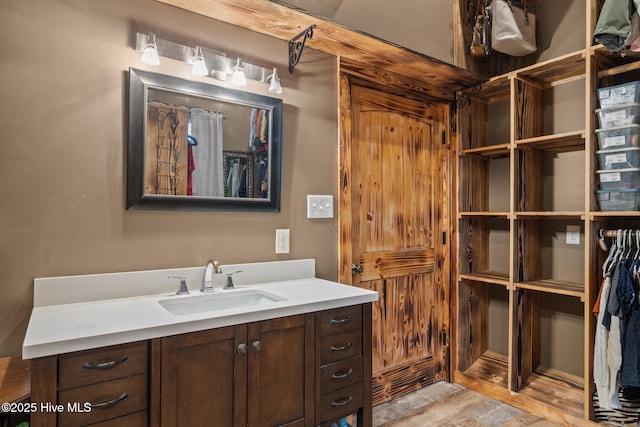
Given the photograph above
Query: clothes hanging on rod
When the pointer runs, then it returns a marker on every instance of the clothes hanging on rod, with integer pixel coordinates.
(617, 339)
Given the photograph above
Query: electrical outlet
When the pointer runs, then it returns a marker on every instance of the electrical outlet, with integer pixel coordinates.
(573, 234)
(282, 240)
(319, 206)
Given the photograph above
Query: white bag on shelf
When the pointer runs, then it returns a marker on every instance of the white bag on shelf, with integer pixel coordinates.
(513, 29)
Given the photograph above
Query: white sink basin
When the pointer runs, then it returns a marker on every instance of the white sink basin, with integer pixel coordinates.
(220, 300)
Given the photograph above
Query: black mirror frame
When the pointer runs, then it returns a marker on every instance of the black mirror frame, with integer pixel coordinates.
(139, 82)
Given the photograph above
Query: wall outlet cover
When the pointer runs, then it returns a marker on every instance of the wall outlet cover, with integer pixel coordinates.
(282, 240)
(573, 235)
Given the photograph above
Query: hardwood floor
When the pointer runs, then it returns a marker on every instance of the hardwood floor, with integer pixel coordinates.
(444, 404)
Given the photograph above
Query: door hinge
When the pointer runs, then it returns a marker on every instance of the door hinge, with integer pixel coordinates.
(444, 237)
(444, 138)
(443, 336)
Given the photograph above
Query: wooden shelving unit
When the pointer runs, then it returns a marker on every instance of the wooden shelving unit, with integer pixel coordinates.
(525, 177)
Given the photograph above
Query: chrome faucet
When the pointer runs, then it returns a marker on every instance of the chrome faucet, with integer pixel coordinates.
(212, 267)
(229, 282)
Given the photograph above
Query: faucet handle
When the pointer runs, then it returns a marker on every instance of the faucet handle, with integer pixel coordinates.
(229, 283)
(182, 289)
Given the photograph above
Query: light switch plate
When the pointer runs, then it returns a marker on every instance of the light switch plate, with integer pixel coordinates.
(319, 206)
(573, 234)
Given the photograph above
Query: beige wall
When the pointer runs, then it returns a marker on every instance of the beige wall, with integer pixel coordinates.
(62, 157)
(425, 26)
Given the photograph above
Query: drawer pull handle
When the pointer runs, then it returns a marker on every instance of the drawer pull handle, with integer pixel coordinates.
(342, 402)
(334, 322)
(105, 365)
(120, 398)
(342, 374)
(342, 348)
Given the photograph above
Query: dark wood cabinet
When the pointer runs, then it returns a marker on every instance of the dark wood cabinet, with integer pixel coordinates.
(300, 371)
(343, 366)
(103, 386)
(257, 374)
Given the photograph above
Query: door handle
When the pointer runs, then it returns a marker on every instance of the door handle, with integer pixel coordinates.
(356, 269)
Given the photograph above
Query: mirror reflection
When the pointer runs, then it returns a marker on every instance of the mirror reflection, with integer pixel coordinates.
(202, 145)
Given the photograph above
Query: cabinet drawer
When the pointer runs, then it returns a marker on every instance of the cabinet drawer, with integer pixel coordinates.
(339, 347)
(340, 374)
(92, 366)
(139, 419)
(116, 398)
(340, 402)
(339, 320)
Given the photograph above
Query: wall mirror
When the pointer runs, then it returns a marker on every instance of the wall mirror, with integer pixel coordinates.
(197, 146)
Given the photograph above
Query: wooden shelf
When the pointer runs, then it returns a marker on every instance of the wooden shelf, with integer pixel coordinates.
(616, 63)
(499, 150)
(569, 141)
(601, 214)
(578, 215)
(496, 89)
(489, 214)
(560, 287)
(556, 389)
(490, 367)
(558, 70)
(492, 277)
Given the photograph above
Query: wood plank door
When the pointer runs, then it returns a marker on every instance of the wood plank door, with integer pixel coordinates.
(393, 212)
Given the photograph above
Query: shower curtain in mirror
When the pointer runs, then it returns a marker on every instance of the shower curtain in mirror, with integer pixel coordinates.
(207, 177)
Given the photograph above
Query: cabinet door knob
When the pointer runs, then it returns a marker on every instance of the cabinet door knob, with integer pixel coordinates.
(243, 348)
(257, 346)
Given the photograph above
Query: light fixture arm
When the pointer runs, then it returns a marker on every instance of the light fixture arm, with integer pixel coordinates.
(297, 46)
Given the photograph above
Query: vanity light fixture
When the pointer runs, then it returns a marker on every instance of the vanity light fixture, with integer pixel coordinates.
(199, 66)
(238, 78)
(274, 86)
(150, 52)
(206, 62)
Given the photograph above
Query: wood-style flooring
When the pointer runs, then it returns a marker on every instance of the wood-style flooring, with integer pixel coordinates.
(444, 404)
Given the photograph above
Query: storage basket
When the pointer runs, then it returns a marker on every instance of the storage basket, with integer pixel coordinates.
(622, 115)
(619, 158)
(619, 137)
(619, 179)
(625, 93)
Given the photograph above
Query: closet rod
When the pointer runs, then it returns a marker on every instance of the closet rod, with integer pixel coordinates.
(614, 233)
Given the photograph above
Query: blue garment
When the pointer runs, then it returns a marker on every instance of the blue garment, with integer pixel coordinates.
(630, 372)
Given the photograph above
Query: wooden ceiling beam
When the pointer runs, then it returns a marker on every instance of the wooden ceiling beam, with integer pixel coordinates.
(371, 56)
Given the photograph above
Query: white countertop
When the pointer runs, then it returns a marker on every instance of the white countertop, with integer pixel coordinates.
(66, 327)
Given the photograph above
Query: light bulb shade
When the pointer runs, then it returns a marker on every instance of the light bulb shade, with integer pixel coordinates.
(199, 67)
(238, 78)
(150, 52)
(274, 86)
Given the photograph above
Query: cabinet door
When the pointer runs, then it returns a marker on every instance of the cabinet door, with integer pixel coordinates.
(280, 383)
(203, 378)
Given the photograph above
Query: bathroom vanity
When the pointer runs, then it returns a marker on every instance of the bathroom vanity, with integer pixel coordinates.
(300, 358)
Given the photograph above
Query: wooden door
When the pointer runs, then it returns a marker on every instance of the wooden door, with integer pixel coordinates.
(394, 203)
